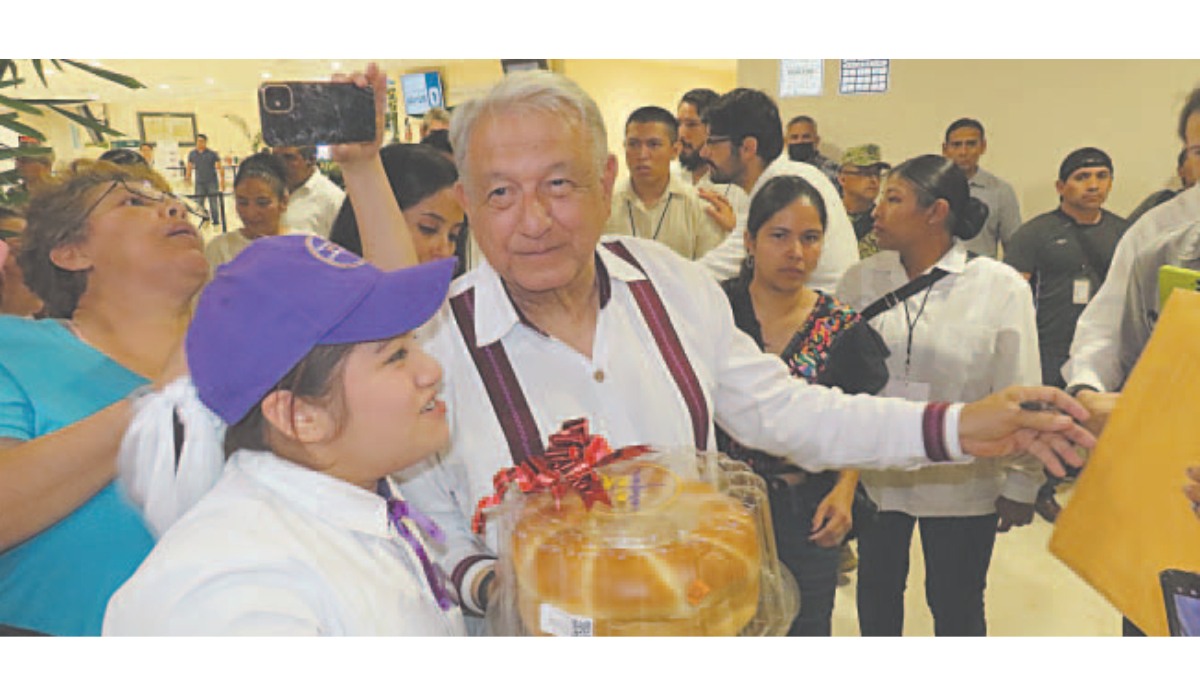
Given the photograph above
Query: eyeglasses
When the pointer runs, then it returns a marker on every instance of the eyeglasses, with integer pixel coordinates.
(150, 194)
(717, 139)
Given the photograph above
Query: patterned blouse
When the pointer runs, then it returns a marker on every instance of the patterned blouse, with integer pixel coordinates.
(806, 355)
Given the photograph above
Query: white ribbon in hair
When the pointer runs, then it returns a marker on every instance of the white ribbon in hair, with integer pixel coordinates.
(146, 464)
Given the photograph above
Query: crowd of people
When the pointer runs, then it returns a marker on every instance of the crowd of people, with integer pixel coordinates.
(868, 338)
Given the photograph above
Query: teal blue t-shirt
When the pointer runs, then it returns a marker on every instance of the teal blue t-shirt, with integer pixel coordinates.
(59, 581)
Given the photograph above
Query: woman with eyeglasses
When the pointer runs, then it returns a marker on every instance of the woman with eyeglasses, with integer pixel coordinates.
(117, 261)
(959, 328)
(261, 195)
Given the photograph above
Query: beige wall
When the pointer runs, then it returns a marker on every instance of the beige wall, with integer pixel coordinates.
(1035, 112)
(620, 86)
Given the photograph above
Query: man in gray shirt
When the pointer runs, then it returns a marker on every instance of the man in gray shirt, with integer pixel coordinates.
(204, 165)
(965, 143)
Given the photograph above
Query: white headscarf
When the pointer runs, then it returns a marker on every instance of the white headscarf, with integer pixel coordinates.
(160, 486)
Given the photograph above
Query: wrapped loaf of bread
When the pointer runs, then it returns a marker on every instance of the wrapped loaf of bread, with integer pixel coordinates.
(669, 557)
(634, 541)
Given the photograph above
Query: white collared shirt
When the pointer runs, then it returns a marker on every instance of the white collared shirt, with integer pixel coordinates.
(314, 206)
(278, 549)
(974, 335)
(627, 393)
(1095, 359)
(841, 245)
(677, 219)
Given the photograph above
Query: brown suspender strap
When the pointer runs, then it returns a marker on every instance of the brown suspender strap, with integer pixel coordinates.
(504, 391)
(508, 399)
(655, 315)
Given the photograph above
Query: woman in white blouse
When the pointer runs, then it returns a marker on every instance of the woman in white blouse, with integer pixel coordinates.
(968, 334)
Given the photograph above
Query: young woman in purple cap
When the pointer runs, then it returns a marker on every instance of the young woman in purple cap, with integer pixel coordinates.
(306, 352)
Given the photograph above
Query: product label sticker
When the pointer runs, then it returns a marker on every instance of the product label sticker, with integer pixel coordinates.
(1081, 292)
(902, 389)
(561, 624)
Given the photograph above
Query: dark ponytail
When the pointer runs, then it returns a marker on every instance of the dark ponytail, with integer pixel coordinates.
(935, 177)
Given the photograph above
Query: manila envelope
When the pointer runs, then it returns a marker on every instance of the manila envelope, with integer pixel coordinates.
(1128, 519)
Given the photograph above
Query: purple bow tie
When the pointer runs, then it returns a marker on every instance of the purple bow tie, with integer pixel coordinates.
(397, 510)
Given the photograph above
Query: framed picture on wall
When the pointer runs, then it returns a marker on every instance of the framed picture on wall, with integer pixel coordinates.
(157, 128)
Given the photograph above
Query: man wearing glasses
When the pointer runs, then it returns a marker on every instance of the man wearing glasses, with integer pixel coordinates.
(745, 146)
(861, 170)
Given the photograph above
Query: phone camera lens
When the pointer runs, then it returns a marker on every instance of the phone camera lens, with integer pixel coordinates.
(278, 98)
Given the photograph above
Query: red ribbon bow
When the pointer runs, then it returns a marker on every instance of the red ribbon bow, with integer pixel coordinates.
(568, 464)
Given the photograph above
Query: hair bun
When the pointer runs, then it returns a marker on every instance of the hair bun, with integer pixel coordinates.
(971, 222)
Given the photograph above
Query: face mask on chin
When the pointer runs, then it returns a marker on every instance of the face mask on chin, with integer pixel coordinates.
(803, 152)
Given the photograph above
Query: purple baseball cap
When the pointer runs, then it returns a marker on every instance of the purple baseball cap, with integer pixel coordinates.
(282, 296)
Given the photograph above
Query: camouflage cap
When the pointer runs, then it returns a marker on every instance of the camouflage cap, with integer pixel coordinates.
(864, 156)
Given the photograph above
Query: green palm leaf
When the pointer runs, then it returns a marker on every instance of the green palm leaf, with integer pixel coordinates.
(131, 83)
(19, 105)
(9, 120)
(12, 152)
(37, 66)
(88, 122)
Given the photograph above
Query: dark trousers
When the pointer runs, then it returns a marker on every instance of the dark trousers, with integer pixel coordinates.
(958, 552)
(213, 191)
(814, 568)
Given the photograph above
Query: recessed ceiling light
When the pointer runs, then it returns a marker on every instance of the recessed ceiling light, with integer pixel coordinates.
(164, 86)
(210, 81)
(266, 75)
(337, 64)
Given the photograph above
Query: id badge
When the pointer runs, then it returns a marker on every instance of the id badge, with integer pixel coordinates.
(1081, 292)
(903, 389)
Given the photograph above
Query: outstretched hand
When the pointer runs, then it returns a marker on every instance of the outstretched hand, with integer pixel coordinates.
(997, 426)
(349, 154)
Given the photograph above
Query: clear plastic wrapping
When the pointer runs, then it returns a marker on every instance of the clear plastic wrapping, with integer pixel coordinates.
(685, 549)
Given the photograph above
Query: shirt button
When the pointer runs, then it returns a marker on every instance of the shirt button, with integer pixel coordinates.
(599, 376)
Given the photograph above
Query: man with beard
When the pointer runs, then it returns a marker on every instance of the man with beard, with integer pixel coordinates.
(745, 146)
(804, 144)
(728, 203)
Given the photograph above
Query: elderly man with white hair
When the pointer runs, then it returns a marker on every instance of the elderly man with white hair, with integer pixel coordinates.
(558, 324)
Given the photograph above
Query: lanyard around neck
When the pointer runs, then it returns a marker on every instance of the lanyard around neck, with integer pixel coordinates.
(912, 326)
(661, 218)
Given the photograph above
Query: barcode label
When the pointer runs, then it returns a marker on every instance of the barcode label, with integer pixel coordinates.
(561, 624)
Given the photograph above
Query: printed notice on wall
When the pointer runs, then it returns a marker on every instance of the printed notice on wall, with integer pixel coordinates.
(864, 76)
(801, 77)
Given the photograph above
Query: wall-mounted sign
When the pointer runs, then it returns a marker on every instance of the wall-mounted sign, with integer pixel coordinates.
(864, 76)
(422, 91)
(801, 77)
